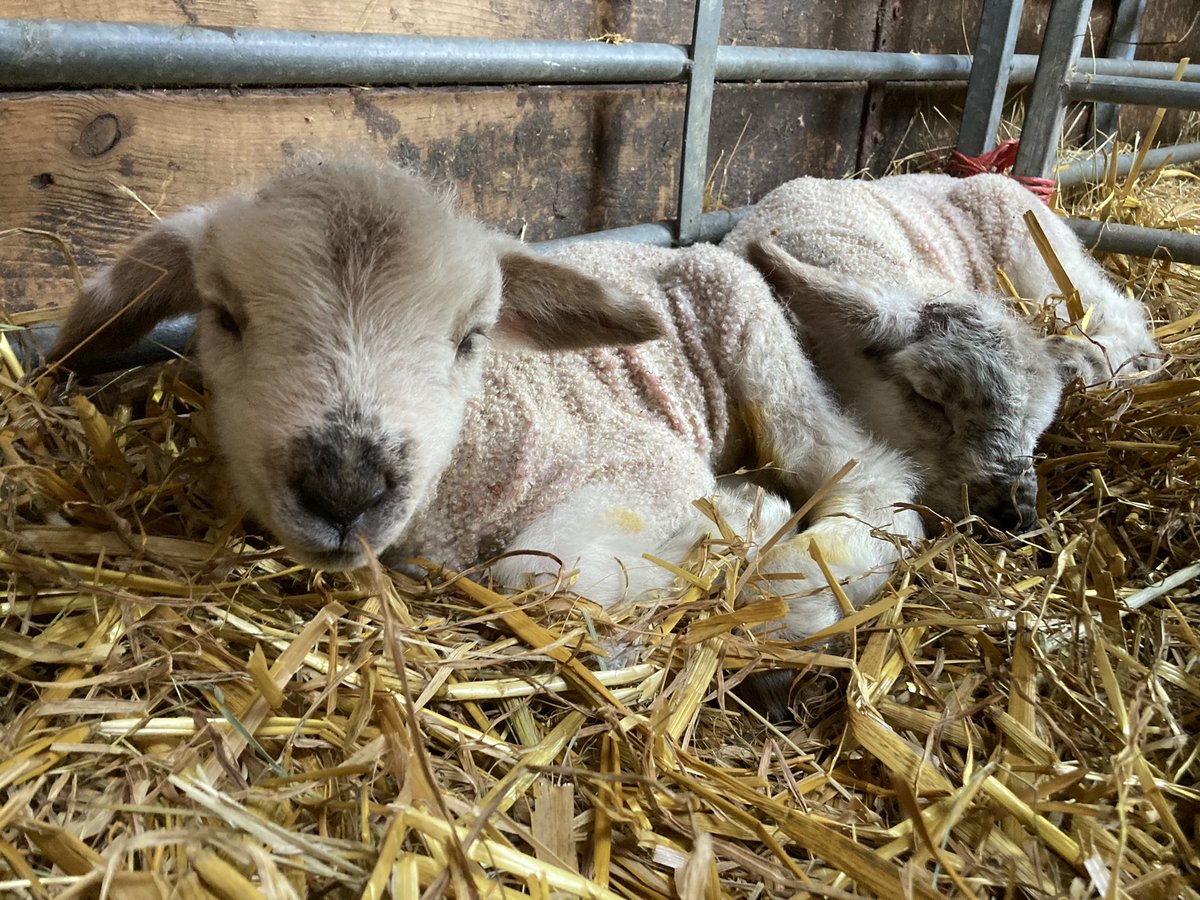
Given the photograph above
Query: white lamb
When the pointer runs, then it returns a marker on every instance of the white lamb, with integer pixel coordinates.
(894, 289)
(386, 375)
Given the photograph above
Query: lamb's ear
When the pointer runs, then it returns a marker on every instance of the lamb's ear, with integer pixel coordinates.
(829, 301)
(152, 280)
(551, 306)
(1077, 358)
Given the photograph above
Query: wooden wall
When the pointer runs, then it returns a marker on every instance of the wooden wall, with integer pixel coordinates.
(543, 161)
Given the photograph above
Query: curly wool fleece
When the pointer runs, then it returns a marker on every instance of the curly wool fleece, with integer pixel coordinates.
(933, 232)
(653, 420)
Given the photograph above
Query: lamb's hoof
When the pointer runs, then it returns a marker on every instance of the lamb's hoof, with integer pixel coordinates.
(768, 693)
(788, 695)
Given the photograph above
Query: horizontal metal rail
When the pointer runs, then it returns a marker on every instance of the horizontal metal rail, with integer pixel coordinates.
(1095, 168)
(169, 339)
(1139, 91)
(791, 64)
(36, 54)
(1136, 240)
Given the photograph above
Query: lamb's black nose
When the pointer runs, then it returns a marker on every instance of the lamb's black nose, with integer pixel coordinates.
(342, 498)
(1016, 509)
(340, 477)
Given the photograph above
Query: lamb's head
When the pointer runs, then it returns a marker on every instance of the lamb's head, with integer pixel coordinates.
(955, 381)
(345, 314)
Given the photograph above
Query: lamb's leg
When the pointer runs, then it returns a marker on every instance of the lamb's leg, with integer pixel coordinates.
(603, 531)
(808, 438)
(1117, 328)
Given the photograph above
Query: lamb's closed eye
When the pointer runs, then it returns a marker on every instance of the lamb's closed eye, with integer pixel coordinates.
(470, 343)
(225, 320)
(925, 405)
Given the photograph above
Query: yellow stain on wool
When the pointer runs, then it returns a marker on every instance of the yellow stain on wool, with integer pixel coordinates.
(756, 430)
(628, 520)
(834, 552)
(830, 506)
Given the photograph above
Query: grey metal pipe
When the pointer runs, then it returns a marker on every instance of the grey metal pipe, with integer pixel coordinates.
(1046, 108)
(789, 64)
(169, 339)
(793, 64)
(1135, 240)
(1142, 91)
(983, 107)
(1132, 68)
(1094, 168)
(43, 53)
(697, 117)
(713, 227)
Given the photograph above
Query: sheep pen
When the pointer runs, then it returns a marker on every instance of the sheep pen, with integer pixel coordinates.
(187, 713)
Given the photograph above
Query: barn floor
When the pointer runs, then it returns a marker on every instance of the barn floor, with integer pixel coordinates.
(187, 714)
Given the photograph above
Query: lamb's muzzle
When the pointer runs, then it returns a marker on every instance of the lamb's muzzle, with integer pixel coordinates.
(343, 486)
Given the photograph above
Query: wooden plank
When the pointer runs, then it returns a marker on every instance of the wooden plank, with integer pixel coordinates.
(771, 23)
(530, 159)
(481, 18)
(769, 134)
(544, 161)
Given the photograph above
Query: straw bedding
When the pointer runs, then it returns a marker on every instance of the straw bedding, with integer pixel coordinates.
(185, 713)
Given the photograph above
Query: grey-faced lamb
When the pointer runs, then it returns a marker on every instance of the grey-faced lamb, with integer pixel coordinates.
(893, 286)
(388, 376)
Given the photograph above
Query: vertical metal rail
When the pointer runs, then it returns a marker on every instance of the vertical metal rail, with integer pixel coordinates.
(991, 67)
(706, 33)
(1047, 106)
(1122, 44)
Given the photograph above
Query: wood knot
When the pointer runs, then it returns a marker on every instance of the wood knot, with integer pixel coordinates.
(99, 135)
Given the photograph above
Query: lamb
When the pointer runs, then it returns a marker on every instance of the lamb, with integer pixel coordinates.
(893, 287)
(387, 376)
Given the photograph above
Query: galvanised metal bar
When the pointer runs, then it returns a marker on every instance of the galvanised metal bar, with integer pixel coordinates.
(792, 64)
(1142, 91)
(713, 226)
(1133, 68)
(1046, 109)
(1094, 168)
(1122, 44)
(990, 70)
(36, 54)
(697, 116)
(789, 64)
(1136, 240)
(169, 339)
(40, 54)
